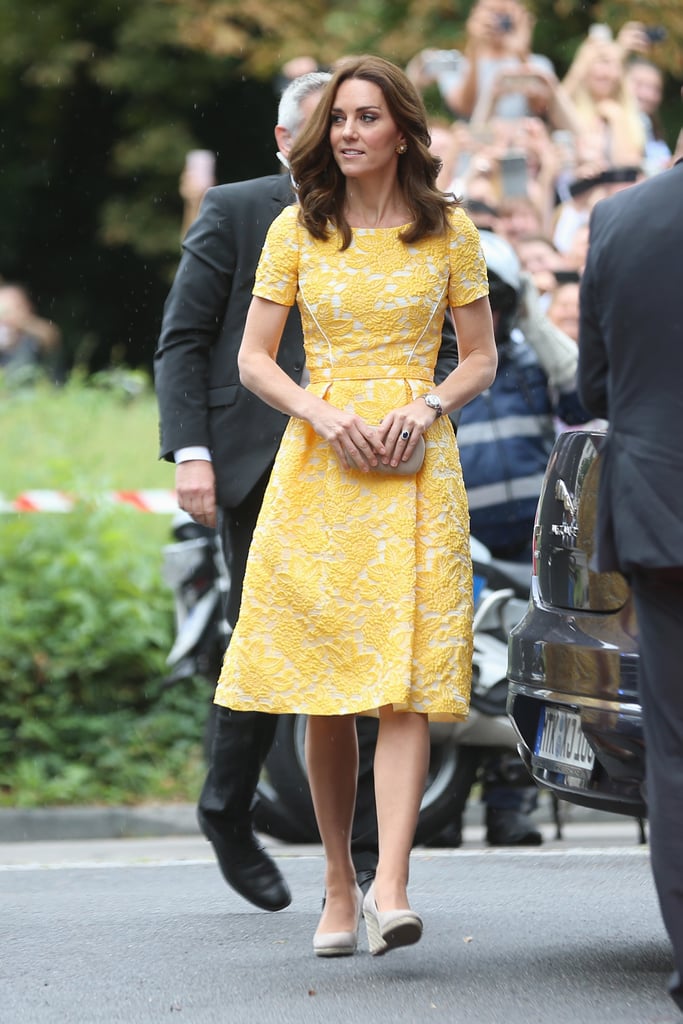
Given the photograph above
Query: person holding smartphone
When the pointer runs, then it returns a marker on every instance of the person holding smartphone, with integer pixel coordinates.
(499, 34)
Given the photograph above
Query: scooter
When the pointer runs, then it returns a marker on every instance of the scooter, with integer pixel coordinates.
(195, 569)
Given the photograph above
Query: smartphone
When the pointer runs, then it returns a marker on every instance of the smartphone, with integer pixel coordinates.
(520, 80)
(603, 33)
(567, 276)
(201, 165)
(655, 33)
(513, 175)
(436, 62)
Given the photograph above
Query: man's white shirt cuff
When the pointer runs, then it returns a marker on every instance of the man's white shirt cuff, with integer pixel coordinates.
(197, 451)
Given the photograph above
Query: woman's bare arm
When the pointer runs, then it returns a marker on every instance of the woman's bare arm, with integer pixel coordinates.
(349, 435)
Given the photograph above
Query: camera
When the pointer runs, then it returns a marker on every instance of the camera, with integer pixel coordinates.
(655, 33)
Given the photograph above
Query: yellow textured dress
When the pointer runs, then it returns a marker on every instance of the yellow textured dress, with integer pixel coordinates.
(358, 589)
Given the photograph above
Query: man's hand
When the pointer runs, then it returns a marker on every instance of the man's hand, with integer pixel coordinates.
(196, 490)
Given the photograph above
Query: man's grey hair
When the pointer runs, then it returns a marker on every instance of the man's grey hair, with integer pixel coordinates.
(289, 114)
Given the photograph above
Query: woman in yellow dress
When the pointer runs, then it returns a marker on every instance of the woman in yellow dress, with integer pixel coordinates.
(358, 595)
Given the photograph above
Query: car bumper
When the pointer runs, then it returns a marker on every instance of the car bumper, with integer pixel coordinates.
(580, 665)
(615, 782)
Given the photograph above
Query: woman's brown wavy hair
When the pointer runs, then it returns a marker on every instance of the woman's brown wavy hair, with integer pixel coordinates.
(322, 186)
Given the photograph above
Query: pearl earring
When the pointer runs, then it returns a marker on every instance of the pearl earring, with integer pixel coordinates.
(401, 148)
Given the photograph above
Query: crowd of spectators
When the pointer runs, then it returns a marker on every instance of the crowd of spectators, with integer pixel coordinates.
(531, 153)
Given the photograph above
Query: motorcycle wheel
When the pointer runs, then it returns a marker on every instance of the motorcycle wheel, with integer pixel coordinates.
(285, 810)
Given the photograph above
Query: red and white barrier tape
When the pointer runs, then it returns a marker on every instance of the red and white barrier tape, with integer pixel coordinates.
(161, 502)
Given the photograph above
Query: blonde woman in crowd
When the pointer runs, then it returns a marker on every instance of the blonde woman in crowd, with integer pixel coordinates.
(604, 104)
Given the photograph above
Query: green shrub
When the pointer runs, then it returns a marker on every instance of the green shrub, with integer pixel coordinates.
(86, 622)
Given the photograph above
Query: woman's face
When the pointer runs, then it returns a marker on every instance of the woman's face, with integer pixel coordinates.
(564, 309)
(604, 75)
(535, 255)
(363, 134)
(646, 86)
(539, 259)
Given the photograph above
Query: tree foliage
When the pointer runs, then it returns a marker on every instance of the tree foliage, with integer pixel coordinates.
(263, 35)
(100, 102)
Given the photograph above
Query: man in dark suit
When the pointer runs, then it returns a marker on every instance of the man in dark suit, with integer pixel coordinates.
(224, 440)
(631, 373)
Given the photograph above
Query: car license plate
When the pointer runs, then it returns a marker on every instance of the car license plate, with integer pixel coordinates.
(560, 740)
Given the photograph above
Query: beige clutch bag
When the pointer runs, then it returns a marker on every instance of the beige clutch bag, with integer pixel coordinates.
(409, 468)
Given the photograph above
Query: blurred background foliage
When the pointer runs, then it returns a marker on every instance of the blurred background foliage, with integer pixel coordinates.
(87, 619)
(101, 101)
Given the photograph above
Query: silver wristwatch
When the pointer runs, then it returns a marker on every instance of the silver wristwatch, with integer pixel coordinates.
(434, 402)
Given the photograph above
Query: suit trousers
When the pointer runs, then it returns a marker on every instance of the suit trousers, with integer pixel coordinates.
(242, 739)
(658, 596)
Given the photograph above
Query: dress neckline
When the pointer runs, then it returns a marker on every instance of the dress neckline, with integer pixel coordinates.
(396, 227)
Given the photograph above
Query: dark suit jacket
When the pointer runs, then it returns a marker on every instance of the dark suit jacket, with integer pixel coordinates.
(631, 369)
(201, 400)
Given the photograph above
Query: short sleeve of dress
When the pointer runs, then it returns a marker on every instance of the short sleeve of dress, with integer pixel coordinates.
(469, 280)
(277, 274)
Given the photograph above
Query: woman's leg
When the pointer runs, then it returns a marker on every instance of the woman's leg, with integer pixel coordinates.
(401, 764)
(332, 762)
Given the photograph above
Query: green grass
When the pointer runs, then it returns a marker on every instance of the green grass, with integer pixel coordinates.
(84, 440)
(80, 438)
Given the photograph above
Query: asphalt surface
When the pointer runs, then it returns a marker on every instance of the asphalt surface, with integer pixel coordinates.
(119, 914)
(19, 825)
(137, 931)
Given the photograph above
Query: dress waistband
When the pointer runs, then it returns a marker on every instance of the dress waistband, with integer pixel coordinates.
(404, 372)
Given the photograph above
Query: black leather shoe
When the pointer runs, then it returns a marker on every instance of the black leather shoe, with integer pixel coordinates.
(365, 877)
(450, 836)
(246, 866)
(510, 828)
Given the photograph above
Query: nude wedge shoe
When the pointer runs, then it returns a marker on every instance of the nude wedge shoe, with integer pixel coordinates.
(339, 943)
(389, 929)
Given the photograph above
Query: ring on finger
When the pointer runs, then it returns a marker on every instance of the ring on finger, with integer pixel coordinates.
(405, 434)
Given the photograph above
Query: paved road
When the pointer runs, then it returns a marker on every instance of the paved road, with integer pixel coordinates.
(141, 931)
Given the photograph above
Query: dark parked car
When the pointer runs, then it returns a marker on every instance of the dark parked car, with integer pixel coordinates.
(573, 658)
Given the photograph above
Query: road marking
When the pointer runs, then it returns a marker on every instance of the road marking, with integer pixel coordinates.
(422, 855)
(107, 865)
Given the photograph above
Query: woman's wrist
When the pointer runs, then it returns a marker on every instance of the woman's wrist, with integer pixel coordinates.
(433, 401)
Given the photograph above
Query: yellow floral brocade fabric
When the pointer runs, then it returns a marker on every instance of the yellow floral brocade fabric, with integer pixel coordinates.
(358, 590)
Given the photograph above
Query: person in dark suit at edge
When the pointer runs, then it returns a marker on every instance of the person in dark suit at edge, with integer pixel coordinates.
(223, 440)
(630, 373)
